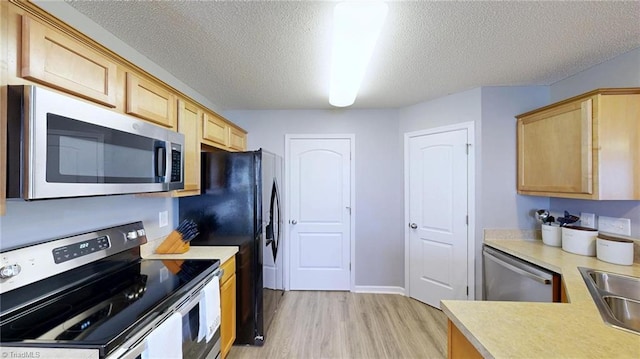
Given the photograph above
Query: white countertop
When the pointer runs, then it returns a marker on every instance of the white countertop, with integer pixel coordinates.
(223, 253)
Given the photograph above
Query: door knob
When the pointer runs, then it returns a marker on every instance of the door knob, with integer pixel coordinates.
(293, 221)
(413, 225)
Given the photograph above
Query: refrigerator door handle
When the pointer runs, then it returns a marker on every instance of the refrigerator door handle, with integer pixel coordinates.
(274, 208)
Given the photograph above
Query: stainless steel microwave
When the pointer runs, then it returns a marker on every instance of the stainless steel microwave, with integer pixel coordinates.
(59, 146)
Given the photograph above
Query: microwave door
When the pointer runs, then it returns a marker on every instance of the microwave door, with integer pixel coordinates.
(64, 147)
(86, 159)
(75, 157)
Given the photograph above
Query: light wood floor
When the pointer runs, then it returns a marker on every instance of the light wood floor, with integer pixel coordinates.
(351, 325)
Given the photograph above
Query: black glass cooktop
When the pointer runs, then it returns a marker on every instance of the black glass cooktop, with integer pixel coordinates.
(100, 312)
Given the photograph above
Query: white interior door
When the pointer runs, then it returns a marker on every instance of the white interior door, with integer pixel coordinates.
(437, 168)
(320, 210)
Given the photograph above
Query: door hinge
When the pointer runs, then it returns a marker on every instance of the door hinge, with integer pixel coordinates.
(467, 291)
(349, 267)
(467, 220)
(467, 149)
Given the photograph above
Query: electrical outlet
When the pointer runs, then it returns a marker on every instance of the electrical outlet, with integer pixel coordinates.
(615, 225)
(588, 220)
(163, 219)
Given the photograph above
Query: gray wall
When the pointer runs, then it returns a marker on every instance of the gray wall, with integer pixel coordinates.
(622, 71)
(32, 222)
(501, 206)
(379, 241)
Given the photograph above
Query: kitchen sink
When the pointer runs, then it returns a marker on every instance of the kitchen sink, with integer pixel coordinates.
(624, 286)
(616, 296)
(625, 310)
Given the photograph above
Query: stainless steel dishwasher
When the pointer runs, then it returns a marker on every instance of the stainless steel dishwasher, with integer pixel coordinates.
(507, 278)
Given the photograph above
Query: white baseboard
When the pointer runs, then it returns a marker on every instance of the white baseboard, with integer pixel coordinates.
(378, 289)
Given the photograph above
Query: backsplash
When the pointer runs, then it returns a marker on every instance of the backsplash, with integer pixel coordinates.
(531, 235)
(617, 209)
(27, 223)
(526, 234)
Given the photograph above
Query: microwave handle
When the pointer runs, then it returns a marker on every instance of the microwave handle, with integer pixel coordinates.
(161, 162)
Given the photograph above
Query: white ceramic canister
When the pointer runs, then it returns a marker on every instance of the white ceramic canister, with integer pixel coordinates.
(579, 240)
(614, 250)
(551, 234)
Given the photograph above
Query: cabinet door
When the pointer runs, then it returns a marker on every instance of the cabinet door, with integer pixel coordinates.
(150, 101)
(458, 346)
(228, 307)
(237, 139)
(55, 59)
(215, 131)
(555, 150)
(188, 124)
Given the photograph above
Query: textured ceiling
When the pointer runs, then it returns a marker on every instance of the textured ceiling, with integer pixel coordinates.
(275, 54)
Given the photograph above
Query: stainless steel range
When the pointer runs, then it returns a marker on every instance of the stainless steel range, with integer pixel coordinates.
(92, 296)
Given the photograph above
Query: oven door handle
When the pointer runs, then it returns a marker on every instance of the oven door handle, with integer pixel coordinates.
(219, 273)
(195, 298)
(138, 344)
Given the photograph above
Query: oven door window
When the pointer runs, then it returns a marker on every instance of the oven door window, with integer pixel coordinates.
(191, 348)
(80, 152)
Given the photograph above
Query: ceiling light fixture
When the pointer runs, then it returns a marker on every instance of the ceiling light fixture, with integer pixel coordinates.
(356, 28)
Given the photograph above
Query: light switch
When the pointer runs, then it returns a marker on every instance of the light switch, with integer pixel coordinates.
(163, 219)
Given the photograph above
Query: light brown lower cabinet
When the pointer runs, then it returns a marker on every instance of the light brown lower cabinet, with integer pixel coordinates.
(228, 306)
(563, 293)
(458, 345)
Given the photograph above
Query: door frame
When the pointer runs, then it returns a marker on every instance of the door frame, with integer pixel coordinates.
(287, 188)
(471, 200)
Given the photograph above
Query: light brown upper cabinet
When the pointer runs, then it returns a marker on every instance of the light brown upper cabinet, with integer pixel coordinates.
(53, 58)
(188, 124)
(215, 131)
(586, 147)
(237, 139)
(150, 101)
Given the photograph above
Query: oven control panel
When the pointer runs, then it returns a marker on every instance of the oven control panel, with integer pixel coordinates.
(76, 250)
(26, 265)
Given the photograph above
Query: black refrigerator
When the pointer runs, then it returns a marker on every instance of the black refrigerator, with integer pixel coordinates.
(240, 205)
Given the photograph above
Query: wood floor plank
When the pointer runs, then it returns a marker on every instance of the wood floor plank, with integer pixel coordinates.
(314, 324)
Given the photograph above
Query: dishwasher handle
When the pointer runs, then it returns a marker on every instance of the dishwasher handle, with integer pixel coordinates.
(516, 269)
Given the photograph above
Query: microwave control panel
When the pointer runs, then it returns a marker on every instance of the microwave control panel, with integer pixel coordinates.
(176, 166)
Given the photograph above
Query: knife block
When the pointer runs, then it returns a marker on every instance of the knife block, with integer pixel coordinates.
(173, 244)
